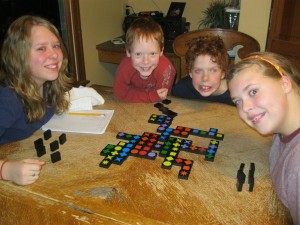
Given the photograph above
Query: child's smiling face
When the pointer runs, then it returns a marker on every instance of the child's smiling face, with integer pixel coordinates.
(207, 76)
(261, 101)
(45, 55)
(145, 56)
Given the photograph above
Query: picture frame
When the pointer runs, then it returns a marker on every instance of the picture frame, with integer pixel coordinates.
(176, 9)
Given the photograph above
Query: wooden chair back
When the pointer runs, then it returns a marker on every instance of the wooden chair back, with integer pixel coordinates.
(231, 39)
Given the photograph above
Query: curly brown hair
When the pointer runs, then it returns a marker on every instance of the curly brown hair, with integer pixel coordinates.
(15, 70)
(208, 45)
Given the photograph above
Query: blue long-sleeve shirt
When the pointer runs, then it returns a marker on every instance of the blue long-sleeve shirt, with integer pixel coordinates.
(184, 89)
(14, 124)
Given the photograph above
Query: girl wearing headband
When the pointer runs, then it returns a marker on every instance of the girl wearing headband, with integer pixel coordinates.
(265, 90)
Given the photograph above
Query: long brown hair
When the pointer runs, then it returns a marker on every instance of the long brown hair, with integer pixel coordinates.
(16, 73)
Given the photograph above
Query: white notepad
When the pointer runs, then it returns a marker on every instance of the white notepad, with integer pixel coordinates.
(87, 122)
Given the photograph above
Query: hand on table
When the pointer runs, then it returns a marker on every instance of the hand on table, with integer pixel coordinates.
(22, 172)
(162, 93)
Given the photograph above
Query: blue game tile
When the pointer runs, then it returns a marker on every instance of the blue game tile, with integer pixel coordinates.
(119, 160)
(123, 154)
(195, 132)
(151, 155)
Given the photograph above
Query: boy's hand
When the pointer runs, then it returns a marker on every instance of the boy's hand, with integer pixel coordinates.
(162, 93)
(22, 172)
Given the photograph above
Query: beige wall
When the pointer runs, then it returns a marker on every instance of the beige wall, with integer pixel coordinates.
(192, 11)
(254, 19)
(101, 20)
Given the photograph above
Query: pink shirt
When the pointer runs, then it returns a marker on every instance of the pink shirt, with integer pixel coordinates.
(284, 161)
(130, 87)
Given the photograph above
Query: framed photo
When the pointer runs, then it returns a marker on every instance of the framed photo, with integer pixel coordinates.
(176, 9)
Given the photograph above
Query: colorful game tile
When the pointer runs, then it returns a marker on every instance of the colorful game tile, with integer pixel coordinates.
(168, 142)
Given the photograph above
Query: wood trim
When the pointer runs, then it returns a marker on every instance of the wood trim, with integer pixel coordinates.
(283, 22)
(275, 21)
(279, 27)
(287, 48)
(75, 46)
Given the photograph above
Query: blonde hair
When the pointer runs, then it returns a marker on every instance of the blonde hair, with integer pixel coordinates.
(16, 72)
(147, 28)
(270, 64)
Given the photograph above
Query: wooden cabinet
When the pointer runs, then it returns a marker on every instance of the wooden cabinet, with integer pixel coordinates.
(284, 33)
(75, 45)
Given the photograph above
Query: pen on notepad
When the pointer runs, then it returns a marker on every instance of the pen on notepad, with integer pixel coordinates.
(85, 114)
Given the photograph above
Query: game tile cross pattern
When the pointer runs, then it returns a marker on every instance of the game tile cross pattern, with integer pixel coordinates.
(167, 141)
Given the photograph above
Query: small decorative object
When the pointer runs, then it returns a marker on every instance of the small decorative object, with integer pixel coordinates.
(232, 17)
(176, 9)
(215, 16)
